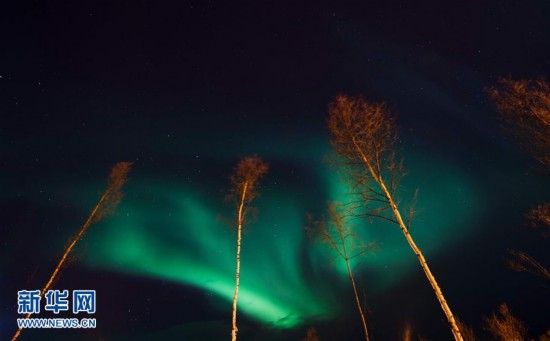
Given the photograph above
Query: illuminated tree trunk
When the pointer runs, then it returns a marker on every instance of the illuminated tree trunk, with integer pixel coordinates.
(412, 244)
(238, 267)
(64, 257)
(108, 202)
(357, 300)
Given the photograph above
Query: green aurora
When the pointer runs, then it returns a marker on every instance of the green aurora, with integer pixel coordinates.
(175, 233)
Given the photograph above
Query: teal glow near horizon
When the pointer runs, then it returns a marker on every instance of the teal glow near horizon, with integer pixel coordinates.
(173, 232)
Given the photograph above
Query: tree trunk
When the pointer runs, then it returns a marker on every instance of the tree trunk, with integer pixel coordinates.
(425, 267)
(238, 269)
(357, 300)
(419, 255)
(68, 250)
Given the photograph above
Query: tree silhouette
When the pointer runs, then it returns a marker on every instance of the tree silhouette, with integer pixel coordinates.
(525, 107)
(243, 191)
(107, 204)
(340, 237)
(363, 138)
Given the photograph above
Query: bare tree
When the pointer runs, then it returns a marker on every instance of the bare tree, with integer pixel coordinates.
(244, 182)
(340, 237)
(106, 205)
(505, 326)
(311, 334)
(363, 137)
(525, 107)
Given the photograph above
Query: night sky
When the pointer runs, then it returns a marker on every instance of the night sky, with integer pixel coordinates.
(186, 89)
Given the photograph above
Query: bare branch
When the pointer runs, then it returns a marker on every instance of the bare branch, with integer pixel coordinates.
(466, 331)
(525, 106)
(113, 193)
(411, 209)
(505, 326)
(340, 237)
(540, 216)
(247, 173)
(522, 262)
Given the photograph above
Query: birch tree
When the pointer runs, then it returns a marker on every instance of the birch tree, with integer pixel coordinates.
(340, 237)
(525, 107)
(244, 182)
(363, 136)
(106, 205)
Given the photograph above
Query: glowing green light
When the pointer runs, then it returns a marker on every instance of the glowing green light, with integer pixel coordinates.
(172, 232)
(191, 246)
(447, 206)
